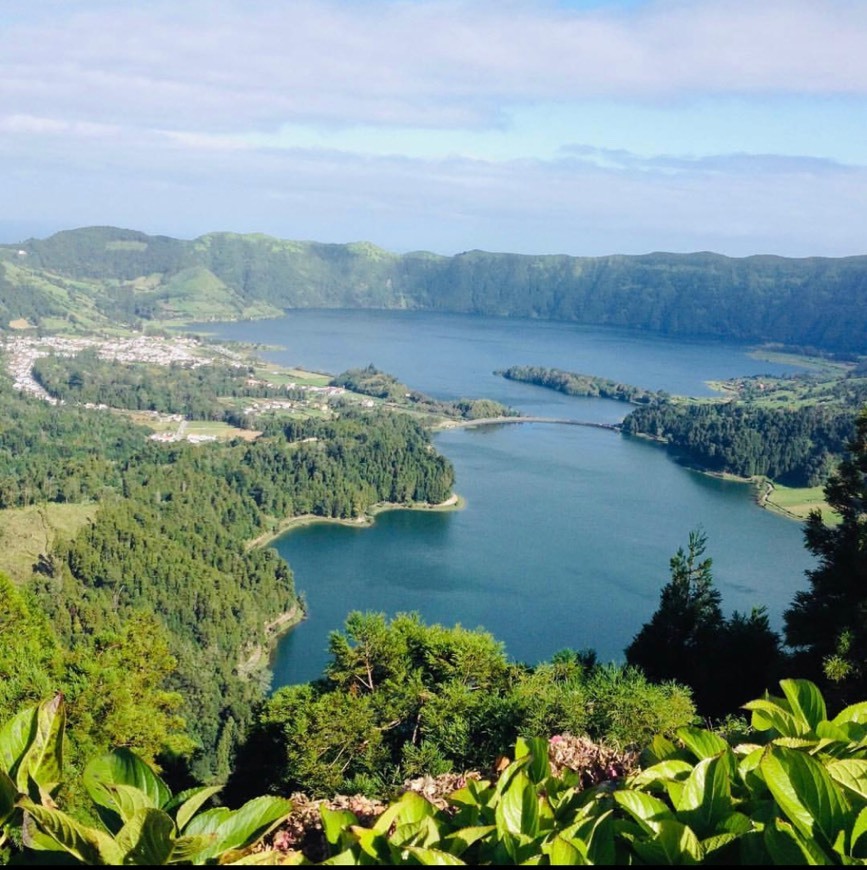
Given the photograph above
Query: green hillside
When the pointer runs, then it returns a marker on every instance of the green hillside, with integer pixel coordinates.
(105, 272)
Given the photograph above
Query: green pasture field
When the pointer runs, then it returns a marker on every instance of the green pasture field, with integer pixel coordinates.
(25, 533)
(798, 502)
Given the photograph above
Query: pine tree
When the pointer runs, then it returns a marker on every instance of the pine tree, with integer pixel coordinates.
(676, 640)
(827, 623)
(724, 661)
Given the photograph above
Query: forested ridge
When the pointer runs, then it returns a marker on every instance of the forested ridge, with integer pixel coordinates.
(575, 384)
(107, 273)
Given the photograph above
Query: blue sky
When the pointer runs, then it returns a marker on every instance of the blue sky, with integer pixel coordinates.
(585, 128)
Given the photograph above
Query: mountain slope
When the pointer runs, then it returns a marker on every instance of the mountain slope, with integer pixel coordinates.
(128, 275)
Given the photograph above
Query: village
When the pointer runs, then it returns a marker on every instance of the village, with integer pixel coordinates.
(21, 352)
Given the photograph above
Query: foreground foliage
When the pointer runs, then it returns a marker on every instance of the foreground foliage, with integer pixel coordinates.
(796, 793)
(402, 699)
(140, 821)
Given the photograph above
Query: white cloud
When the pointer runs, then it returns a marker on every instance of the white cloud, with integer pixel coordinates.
(236, 66)
(444, 124)
(587, 203)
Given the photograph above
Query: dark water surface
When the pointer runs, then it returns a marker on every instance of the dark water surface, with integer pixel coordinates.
(568, 531)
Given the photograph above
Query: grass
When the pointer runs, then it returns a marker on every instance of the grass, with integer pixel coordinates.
(221, 431)
(797, 502)
(303, 378)
(25, 533)
(812, 363)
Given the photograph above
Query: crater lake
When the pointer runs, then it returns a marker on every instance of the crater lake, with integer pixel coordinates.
(567, 532)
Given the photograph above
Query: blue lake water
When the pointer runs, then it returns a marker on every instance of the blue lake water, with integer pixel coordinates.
(567, 534)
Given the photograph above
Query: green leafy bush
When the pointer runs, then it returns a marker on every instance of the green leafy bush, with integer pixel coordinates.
(797, 796)
(142, 822)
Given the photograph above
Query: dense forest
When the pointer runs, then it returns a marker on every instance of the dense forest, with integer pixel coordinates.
(795, 446)
(92, 275)
(167, 538)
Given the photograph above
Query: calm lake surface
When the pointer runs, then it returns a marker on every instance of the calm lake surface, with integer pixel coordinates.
(568, 531)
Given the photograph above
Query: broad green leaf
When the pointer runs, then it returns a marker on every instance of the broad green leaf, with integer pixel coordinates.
(830, 731)
(335, 824)
(43, 760)
(706, 797)
(518, 809)
(411, 807)
(737, 823)
(147, 838)
(851, 773)
(458, 842)
(15, 736)
(717, 843)
(600, 842)
(788, 848)
(808, 743)
(660, 749)
(129, 800)
(346, 858)
(194, 799)
(858, 831)
(671, 774)
(506, 777)
(856, 713)
(773, 715)
(671, 768)
(701, 743)
(750, 772)
(208, 821)
(33, 838)
(431, 856)
(373, 843)
(538, 769)
(647, 810)
(185, 848)
(423, 832)
(85, 844)
(8, 795)
(562, 852)
(244, 826)
(121, 768)
(673, 843)
(477, 791)
(806, 702)
(808, 796)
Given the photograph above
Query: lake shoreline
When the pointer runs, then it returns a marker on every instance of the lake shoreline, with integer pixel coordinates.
(454, 502)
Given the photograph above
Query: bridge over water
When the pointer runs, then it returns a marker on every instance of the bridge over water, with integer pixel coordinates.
(489, 421)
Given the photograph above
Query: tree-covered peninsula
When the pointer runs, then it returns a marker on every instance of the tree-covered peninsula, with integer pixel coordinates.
(791, 429)
(576, 384)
